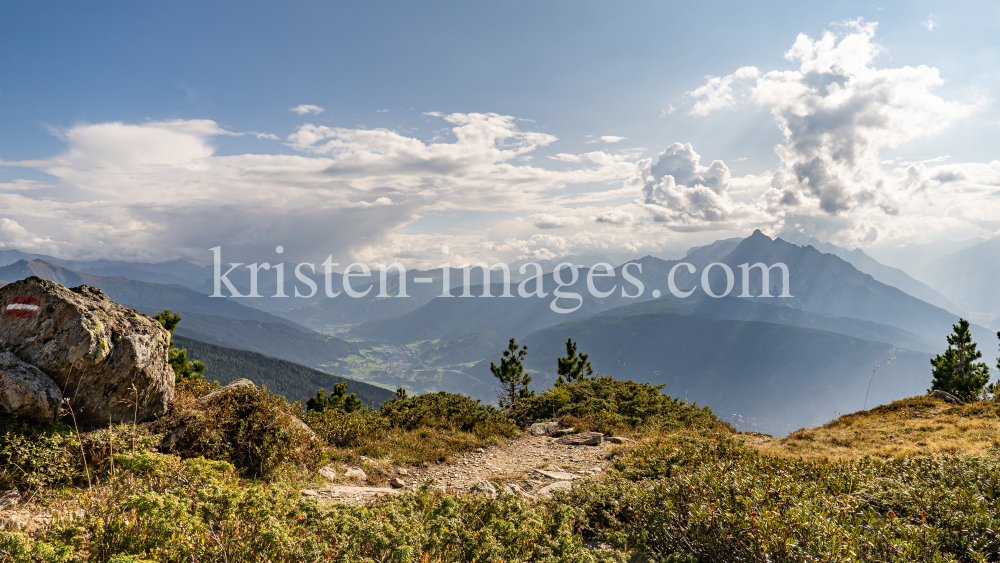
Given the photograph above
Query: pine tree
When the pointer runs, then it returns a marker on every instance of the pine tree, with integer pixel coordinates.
(573, 367)
(513, 381)
(178, 358)
(338, 400)
(955, 371)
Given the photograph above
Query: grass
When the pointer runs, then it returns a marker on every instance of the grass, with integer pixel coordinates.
(910, 427)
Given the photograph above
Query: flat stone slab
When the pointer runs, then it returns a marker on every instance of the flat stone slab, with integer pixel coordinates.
(547, 490)
(348, 493)
(557, 475)
(582, 439)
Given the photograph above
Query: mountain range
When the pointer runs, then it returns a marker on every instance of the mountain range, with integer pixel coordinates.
(780, 362)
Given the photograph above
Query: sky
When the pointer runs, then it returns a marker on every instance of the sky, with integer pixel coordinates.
(381, 132)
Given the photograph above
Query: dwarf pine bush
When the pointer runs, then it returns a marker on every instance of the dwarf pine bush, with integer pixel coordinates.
(608, 405)
(718, 500)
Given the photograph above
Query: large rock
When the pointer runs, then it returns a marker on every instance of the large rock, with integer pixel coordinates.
(93, 348)
(26, 391)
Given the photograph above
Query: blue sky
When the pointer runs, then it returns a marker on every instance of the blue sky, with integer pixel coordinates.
(560, 75)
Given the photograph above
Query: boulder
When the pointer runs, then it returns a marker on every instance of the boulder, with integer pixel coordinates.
(543, 428)
(582, 439)
(397, 483)
(946, 397)
(94, 349)
(26, 391)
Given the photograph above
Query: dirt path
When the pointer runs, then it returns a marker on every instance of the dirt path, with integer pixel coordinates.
(527, 466)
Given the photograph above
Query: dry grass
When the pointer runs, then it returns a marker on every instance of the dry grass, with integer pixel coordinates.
(914, 426)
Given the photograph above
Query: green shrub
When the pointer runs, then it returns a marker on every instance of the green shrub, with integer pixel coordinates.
(410, 430)
(341, 429)
(255, 430)
(446, 410)
(609, 405)
(38, 456)
(718, 500)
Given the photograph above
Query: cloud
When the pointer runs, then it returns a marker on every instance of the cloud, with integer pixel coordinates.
(615, 217)
(717, 92)
(837, 112)
(682, 193)
(612, 139)
(159, 190)
(381, 111)
(931, 23)
(307, 109)
(549, 221)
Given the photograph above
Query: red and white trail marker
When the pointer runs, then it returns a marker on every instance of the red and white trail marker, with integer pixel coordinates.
(21, 307)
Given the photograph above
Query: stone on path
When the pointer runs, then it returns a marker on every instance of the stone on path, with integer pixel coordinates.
(94, 349)
(543, 428)
(557, 475)
(582, 439)
(26, 391)
(557, 486)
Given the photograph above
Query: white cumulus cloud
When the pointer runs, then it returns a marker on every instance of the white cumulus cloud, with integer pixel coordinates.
(306, 109)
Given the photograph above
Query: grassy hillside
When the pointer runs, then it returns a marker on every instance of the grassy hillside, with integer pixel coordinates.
(293, 381)
(914, 426)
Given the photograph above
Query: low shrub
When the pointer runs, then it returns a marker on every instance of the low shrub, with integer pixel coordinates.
(411, 430)
(342, 429)
(255, 430)
(37, 456)
(719, 500)
(609, 405)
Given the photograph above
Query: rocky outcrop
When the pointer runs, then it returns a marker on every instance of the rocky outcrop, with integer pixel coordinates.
(26, 391)
(946, 397)
(110, 361)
